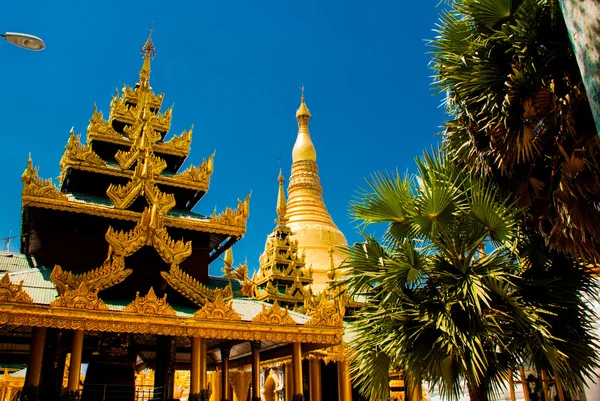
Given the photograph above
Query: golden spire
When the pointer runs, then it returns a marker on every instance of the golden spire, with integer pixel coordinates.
(303, 148)
(148, 51)
(281, 203)
(306, 213)
(228, 262)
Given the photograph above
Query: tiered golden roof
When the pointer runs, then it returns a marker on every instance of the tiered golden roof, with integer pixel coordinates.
(145, 160)
(135, 117)
(282, 274)
(306, 213)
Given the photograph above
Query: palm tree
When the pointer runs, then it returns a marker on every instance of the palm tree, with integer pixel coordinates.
(520, 115)
(447, 292)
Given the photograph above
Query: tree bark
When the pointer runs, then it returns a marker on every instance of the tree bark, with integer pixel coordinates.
(478, 393)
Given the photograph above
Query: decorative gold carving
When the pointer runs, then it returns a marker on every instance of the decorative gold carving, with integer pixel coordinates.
(275, 315)
(324, 312)
(99, 128)
(150, 305)
(112, 272)
(248, 288)
(34, 186)
(193, 290)
(149, 230)
(10, 292)
(234, 217)
(201, 173)
(80, 298)
(76, 152)
(218, 310)
(180, 143)
(119, 322)
(192, 223)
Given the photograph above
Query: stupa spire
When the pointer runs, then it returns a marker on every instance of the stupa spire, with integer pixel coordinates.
(281, 202)
(303, 148)
(148, 51)
(306, 213)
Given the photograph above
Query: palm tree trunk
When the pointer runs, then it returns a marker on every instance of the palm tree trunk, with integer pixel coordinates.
(478, 393)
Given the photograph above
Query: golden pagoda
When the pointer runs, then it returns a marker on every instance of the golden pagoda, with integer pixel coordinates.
(113, 273)
(282, 275)
(306, 213)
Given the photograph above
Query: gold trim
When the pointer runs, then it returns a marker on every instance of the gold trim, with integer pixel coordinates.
(80, 298)
(118, 322)
(150, 305)
(149, 230)
(64, 204)
(172, 181)
(102, 130)
(275, 315)
(10, 292)
(324, 312)
(234, 217)
(200, 174)
(76, 154)
(192, 289)
(112, 272)
(33, 185)
(218, 310)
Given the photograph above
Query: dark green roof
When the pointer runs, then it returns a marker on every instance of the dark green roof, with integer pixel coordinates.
(96, 200)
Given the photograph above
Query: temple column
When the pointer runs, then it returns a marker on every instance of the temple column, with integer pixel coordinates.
(225, 373)
(344, 383)
(297, 369)
(75, 364)
(198, 371)
(36, 355)
(53, 366)
(289, 381)
(314, 365)
(255, 345)
(164, 373)
(195, 370)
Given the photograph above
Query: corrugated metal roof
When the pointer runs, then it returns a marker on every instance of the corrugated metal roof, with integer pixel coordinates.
(12, 262)
(36, 282)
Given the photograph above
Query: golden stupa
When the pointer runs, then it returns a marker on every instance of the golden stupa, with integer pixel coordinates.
(306, 213)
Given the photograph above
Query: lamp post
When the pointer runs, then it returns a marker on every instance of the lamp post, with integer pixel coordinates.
(24, 40)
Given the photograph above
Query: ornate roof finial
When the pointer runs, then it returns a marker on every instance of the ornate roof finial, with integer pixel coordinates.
(281, 203)
(331, 272)
(148, 51)
(302, 114)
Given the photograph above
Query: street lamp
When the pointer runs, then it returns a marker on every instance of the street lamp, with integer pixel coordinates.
(24, 40)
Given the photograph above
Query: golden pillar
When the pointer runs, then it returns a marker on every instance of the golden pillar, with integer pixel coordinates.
(36, 354)
(203, 366)
(225, 374)
(297, 368)
(195, 370)
(344, 383)
(315, 379)
(198, 373)
(255, 345)
(75, 364)
(289, 381)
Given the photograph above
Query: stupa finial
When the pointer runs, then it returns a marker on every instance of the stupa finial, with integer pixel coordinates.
(148, 51)
(281, 203)
(302, 114)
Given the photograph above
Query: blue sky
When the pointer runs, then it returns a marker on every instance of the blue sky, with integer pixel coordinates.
(233, 69)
